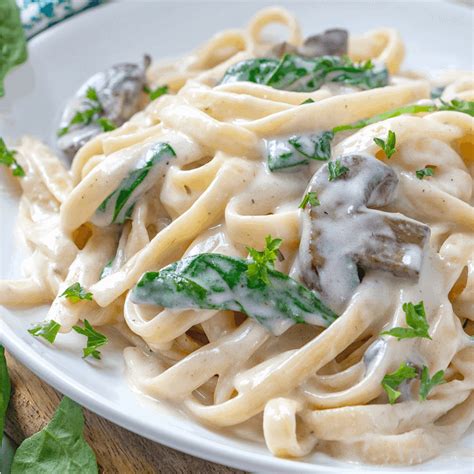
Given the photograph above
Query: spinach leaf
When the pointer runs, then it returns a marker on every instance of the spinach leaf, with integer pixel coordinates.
(12, 39)
(214, 281)
(298, 150)
(5, 390)
(301, 74)
(118, 206)
(463, 106)
(59, 447)
(256, 70)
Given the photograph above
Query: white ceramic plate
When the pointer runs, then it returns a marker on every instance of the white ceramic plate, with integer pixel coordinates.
(438, 35)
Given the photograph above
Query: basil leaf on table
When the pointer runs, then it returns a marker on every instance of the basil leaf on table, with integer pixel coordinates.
(119, 204)
(12, 39)
(214, 281)
(59, 447)
(300, 74)
(298, 150)
(5, 390)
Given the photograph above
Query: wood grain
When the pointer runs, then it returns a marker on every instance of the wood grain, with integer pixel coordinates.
(118, 451)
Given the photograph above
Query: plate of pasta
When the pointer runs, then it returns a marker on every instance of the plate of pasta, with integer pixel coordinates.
(259, 251)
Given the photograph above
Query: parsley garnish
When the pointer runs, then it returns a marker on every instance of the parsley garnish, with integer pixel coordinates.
(426, 171)
(336, 170)
(311, 199)
(456, 105)
(76, 293)
(155, 93)
(47, 330)
(94, 339)
(7, 158)
(89, 115)
(388, 146)
(106, 124)
(466, 107)
(392, 381)
(257, 270)
(416, 320)
(428, 383)
(309, 100)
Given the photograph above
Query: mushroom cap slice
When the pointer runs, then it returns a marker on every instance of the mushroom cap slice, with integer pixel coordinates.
(344, 236)
(119, 90)
(333, 42)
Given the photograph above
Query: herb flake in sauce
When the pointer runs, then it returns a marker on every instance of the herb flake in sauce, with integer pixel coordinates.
(427, 383)
(76, 293)
(388, 145)
(416, 320)
(393, 380)
(47, 330)
(7, 158)
(94, 340)
(426, 171)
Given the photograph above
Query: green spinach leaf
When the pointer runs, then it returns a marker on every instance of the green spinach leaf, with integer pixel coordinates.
(12, 40)
(300, 74)
(119, 204)
(466, 107)
(5, 390)
(59, 447)
(298, 150)
(214, 281)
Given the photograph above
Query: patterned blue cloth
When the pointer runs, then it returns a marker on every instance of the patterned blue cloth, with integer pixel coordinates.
(37, 15)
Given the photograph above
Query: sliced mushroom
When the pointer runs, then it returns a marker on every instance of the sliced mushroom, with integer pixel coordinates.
(119, 90)
(331, 42)
(343, 238)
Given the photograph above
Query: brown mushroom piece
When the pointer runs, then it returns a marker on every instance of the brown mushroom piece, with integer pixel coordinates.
(345, 236)
(120, 94)
(331, 42)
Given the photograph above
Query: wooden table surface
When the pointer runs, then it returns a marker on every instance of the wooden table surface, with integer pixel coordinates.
(118, 451)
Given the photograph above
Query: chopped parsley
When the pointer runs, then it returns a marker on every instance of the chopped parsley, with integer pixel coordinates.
(155, 93)
(76, 293)
(416, 320)
(257, 271)
(392, 381)
(336, 170)
(47, 330)
(106, 124)
(426, 171)
(94, 340)
(310, 198)
(428, 383)
(388, 146)
(92, 114)
(7, 158)
(309, 100)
